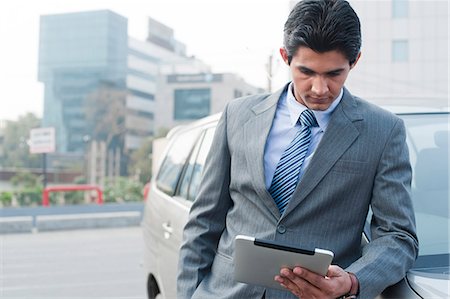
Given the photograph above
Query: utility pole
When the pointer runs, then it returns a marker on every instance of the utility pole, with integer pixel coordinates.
(269, 73)
(44, 169)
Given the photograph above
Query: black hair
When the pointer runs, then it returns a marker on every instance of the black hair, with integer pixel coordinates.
(322, 26)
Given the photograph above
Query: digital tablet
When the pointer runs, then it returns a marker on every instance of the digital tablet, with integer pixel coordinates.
(259, 261)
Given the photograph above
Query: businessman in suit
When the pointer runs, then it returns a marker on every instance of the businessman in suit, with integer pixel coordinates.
(302, 166)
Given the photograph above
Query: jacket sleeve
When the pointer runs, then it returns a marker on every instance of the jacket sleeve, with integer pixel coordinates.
(207, 216)
(394, 244)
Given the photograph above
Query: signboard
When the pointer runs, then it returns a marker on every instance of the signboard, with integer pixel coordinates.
(42, 140)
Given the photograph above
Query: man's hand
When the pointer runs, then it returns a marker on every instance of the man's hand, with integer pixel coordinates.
(309, 285)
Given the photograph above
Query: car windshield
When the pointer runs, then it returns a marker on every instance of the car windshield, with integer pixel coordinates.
(428, 138)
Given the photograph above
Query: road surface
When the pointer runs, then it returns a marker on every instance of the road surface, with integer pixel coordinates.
(101, 263)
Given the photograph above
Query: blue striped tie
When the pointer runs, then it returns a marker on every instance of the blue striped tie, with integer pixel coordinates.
(286, 174)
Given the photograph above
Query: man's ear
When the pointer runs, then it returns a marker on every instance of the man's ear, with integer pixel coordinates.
(356, 60)
(284, 55)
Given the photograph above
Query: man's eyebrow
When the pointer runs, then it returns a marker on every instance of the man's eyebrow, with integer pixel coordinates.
(305, 69)
(308, 70)
(336, 71)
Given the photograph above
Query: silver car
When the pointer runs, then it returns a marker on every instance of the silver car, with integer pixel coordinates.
(177, 178)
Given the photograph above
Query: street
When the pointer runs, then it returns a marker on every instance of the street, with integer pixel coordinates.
(100, 263)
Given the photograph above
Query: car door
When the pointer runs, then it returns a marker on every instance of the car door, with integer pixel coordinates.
(166, 213)
(175, 213)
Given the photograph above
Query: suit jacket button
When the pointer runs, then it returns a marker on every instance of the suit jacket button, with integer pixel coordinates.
(281, 229)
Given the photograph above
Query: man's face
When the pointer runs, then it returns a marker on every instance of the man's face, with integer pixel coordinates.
(317, 77)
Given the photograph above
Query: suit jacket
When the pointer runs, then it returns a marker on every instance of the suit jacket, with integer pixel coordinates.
(361, 162)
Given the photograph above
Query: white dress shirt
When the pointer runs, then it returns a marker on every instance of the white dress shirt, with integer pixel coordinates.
(284, 128)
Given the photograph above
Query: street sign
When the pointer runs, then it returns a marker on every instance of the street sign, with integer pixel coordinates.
(42, 140)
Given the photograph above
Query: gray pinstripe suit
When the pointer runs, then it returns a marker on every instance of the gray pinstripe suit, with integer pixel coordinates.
(361, 161)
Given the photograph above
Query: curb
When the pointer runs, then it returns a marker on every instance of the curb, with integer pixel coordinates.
(14, 225)
(41, 223)
(87, 221)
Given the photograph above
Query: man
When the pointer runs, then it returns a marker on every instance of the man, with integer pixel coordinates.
(303, 166)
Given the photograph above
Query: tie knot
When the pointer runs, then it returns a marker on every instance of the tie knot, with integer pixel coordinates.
(308, 119)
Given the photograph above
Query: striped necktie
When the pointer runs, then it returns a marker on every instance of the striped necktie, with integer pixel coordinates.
(286, 174)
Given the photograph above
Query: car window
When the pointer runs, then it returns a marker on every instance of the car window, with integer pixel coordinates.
(175, 160)
(428, 140)
(200, 163)
(186, 180)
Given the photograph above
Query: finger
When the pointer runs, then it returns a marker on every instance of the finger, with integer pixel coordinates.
(289, 285)
(335, 282)
(314, 279)
(297, 283)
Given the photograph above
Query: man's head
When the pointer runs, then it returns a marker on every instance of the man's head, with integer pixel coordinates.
(322, 26)
(322, 41)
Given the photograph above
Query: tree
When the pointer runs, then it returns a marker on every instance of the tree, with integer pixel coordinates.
(16, 152)
(105, 115)
(28, 188)
(141, 162)
(25, 179)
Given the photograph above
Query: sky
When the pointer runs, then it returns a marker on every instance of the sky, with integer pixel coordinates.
(229, 35)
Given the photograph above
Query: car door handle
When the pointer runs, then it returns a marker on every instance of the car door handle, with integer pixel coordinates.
(168, 230)
(166, 226)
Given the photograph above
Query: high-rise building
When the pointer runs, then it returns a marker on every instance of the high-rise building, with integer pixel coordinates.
(77, 53)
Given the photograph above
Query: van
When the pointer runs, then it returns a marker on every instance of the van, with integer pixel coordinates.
(177, 179)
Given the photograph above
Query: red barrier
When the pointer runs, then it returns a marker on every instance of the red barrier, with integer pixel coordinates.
(146, 190)
(47, 190)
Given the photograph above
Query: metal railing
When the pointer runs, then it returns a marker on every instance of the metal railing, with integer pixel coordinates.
(48, 190)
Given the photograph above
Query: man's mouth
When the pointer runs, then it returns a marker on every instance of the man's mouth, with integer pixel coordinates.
(318, 99)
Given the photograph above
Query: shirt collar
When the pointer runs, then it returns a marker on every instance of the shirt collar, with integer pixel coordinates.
(295, 109)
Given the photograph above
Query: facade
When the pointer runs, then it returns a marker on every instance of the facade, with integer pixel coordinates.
(405, 58)
(404, 53)
(163, 36)
(141, 80)
(183, 98)
(147, 62)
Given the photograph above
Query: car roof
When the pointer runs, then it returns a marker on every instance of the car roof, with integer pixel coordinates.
(197, 123)
(397, 109)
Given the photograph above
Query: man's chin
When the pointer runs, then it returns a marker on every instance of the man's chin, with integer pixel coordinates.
(319, 107)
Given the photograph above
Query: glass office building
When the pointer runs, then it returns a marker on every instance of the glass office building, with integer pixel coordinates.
(77, 53)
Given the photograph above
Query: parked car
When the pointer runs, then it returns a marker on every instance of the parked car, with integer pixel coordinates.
(177, 179)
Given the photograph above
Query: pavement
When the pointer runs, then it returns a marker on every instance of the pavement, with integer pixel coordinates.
(55, 218)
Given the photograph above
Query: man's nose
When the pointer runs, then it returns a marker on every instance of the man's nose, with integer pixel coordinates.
(319, 86)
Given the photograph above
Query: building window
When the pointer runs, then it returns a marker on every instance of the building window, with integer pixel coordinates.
(400, 9)
(400, 49)
(192, 103)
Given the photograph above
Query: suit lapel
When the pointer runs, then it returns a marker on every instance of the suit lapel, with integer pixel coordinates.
(339, 136)
(256, 131)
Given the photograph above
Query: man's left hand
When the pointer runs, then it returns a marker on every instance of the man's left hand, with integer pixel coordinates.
(309, 285)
